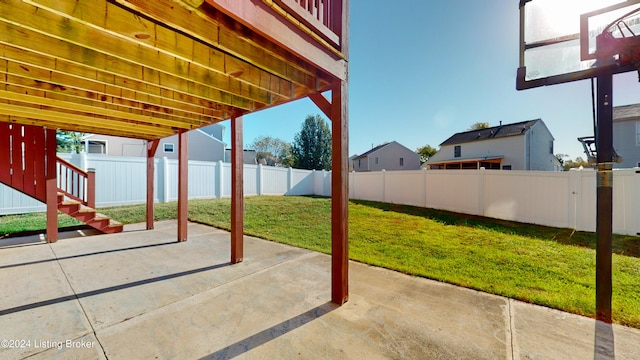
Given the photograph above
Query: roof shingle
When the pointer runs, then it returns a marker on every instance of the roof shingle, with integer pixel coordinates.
(490, 133)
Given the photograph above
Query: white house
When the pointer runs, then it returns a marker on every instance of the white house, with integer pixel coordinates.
(626, 135)
(389, 156)
(205, 144)
(526, 145)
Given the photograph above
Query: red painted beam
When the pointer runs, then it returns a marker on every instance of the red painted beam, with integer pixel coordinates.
(91, 188)
(260, 18)
(237, 191)
(322, 103)
(339, 195)
(51, 186)
(5, 153)
(183, 192)
(152, 146)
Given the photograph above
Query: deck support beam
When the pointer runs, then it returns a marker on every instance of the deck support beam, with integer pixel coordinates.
(237, 191)
(183, 191)
(339, 194)
(152, 146)
(51, 186)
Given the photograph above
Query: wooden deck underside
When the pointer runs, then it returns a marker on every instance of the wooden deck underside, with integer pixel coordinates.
(142, 69)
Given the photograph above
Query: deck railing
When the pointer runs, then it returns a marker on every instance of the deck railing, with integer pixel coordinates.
(76, 183)
(322, 16)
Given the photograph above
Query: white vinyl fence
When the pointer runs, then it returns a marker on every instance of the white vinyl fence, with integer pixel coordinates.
(560, 199)
(122, 181)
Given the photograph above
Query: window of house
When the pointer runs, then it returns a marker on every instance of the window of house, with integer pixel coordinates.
(358, 163)
(506, 167)
(457, 151)
(401, 161)
(168, 148)
(376, 161)
(638, 133)
(551, 147)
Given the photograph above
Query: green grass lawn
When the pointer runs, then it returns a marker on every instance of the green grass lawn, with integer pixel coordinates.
(541, 265)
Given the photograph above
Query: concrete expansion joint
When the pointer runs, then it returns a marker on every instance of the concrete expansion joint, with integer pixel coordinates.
(511, 342)
(75, 294)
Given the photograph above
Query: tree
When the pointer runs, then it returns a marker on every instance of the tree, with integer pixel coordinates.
(69, 141)
(560, 158)
(479, 126)
(426, 152)
(311, 147)
(570, 164)
(272, 151)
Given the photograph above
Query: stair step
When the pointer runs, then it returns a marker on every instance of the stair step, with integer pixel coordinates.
(89, 215)
(86, 209)
(113, 223)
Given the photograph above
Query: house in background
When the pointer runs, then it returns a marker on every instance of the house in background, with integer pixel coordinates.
(389, 156)
(248, 156)
(205, 144)
(626, 135)
(526, 145)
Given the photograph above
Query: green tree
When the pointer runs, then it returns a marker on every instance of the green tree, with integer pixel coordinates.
(272, 151)
(479, 126)
(311, 147)
(69, 141)
(570, 164)
(426, 152)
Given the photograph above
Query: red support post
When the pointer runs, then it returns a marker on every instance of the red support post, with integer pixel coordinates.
(152, 146)
(237, 191)
(5, 153)
(339, 195)
(91, 188)
(51, 187)
(183, 192)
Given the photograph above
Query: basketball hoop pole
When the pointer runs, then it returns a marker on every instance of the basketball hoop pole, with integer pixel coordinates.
(604, 208)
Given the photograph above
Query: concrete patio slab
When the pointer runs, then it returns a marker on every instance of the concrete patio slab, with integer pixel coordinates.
(139, 295)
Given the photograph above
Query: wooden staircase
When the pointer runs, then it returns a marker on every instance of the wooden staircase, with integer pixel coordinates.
(88, 215)
(28, 163)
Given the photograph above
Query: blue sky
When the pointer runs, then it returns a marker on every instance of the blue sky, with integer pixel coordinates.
(421, 71)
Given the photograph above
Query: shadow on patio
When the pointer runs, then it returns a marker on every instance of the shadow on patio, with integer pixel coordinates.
(139, 294)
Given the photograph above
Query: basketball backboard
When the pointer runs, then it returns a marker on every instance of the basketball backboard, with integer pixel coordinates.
(558, 39)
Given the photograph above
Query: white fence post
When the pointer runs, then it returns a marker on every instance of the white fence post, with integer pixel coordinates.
(289, 180)
(481, 192)
(259, 179)
(219, 180)
(636, 204)
(384, 185)
(83, 162)
(424, 187)
(165, 179)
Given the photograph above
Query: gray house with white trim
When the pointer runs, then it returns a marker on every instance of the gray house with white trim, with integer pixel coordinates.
(205, 144)
(626, 135)
(389, 156)
(526, 145)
